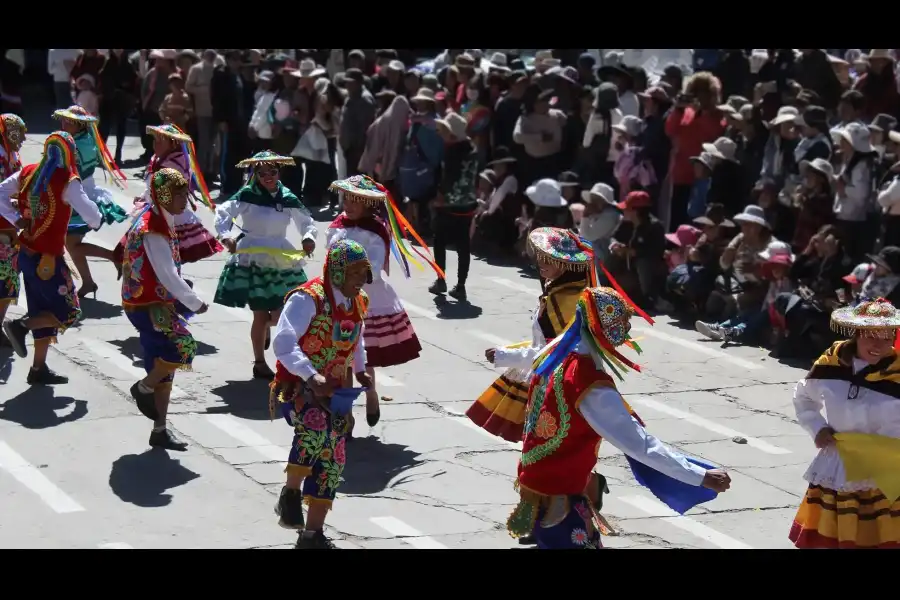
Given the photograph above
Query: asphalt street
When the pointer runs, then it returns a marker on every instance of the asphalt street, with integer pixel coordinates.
(76, 470)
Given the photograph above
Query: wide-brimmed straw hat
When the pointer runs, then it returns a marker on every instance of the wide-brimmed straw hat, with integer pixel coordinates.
(753, 214)
(455, 123)
(423, 95)
(561, 248)
(859, 137)
(602, 191)
(74, 113)
(361, 188)
(723, 148)
(266, 157)
(786, 114)
(546, 193)
(170, 131)
(819, 165)
(308, 68)
(875, 318)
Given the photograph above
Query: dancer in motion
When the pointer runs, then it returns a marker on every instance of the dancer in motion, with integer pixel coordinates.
(565, 263)
(12, 136)
(573, 404)
(390, 337)
(91, 154)
(158, 301)
(852, 499)
(263, 266)
(47, 194)
(174, 149)
(319, 345)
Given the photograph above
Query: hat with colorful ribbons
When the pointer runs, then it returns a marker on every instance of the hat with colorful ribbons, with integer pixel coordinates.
(602, 317)
(12, 133)
(266, 158)
(178, 135)
(78, 114)
(368, 191)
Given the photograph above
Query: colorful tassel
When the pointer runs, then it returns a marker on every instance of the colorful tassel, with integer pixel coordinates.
(199, 183)
(106, 159)
(399, 227)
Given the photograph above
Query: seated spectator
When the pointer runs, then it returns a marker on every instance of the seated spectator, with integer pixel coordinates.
(749, 325)
(889, 192)
(813, 201)
(547, 209)
(780, 217)
(600, 219)
(571, 188)
(703, 169)
(739, 288)
(878, 134)
(854, 188)
(884, 278)
(631, 170)
(497, 223)
(636, 259)
(726, 185)
(680, 244)
(778, 158)
(819, 273)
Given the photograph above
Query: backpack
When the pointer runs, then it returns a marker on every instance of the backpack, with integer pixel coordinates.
(415, 173)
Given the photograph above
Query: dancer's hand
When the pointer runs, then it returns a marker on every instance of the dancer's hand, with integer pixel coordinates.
(309, 247)
(717, 480)
(229, 244)
(319, 386)
(202, 309)
(364, 379)
(825, 438)
(489, 354)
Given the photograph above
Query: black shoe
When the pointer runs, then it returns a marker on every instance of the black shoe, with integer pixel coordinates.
(262, 371)
(458, 292)
(373, 418)
(15, 334)
(438, 287)
(317, 542)
(44, 376)
(527, 540)
(146, 403)
(289, 509)
(167, 440)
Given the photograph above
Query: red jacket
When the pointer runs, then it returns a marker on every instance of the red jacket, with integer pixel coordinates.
(688, 131)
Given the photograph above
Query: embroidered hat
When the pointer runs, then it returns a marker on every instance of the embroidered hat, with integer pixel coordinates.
(266, 157)
(164, 184)
(13, 129)
(173, 132)
(360, 187)
(561, 248)
(875, 318)
(74, 113)
(341, 255)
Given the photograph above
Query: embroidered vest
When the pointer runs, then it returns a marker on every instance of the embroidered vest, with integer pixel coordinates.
(559, 449)
(140, 286)
(332, 336)
(49, 216)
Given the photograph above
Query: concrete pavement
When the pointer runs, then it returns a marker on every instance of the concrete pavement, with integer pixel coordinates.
(76, 470)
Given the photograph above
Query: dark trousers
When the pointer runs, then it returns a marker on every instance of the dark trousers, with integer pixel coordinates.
(114, 117)
(453, 228)
(351, 157)
(678, 215)
(148, 118)
(235, 149)
(319, 176)
(857, 238)
(63, 92)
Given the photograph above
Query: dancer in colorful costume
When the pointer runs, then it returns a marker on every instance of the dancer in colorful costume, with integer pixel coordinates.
(174, 149)
(12, 136)
(91, 154)
(263, 266)
(158, 301)
(573, 404)
(854, 481)
(565, 263)
(47, 194)
(390, 337)
(319, 344)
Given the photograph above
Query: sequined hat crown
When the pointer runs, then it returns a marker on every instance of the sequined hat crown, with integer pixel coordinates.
(75, 113)
(165, 183)
(341, 255)
(561, 248)
(875, 318)
(13, 128)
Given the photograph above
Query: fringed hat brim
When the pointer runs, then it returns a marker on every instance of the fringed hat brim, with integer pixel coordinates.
(541, 244)
(549, 259)
(884, 332)
(281, 161)
(351, 188)
(66, 114)
(848, 322)
(159, 131)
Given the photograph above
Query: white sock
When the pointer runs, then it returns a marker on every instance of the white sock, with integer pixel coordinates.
(309, 534)
(144, 389)
(157, 429)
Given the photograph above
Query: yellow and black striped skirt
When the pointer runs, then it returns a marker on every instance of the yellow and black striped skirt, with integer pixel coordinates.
(832, 519)
(500, 410)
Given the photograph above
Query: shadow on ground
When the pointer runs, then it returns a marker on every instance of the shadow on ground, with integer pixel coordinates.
(36, 408)
(373, 463)
(456, 310)
(131, 349)
(98, 309)
(144, 479)
(245, 399)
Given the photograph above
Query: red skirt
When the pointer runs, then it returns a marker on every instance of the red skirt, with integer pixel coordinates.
(390, 340)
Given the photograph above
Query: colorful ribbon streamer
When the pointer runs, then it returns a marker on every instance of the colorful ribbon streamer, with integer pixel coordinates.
(400, 227)
(197, 175)
(106, 159)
